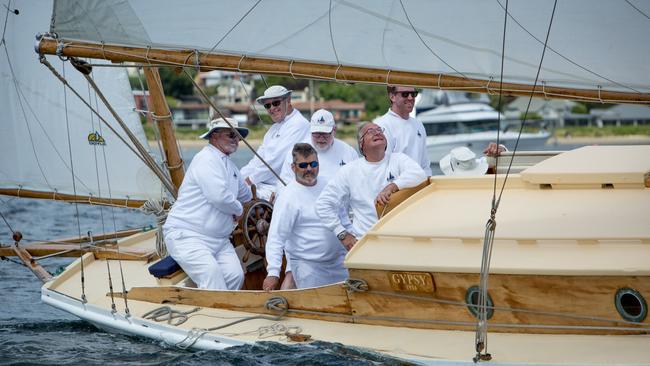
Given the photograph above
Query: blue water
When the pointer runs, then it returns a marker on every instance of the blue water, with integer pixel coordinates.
(32, 333)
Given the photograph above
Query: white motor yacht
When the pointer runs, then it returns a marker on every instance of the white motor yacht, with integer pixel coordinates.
(452, 119)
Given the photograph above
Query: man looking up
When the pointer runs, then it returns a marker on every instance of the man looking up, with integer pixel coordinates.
(358, 185)
(405, 134)
(289, 127)
(315, 254)
(209, 204)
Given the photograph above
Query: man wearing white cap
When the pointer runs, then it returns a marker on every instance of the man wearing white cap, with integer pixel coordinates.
(289, 127)
(358, 185)
(315, 253)
(404, 133)
(462, 161)
(332, 152)
(207, 209)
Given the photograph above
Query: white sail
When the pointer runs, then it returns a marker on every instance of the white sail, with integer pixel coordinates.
(37, 121)
(592, 44)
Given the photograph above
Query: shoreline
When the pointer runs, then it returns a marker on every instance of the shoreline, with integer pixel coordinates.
(627, 140)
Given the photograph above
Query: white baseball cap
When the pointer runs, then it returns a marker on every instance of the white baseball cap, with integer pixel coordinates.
(463, 161)
(322, 121)
(274, 91)
(219, 123)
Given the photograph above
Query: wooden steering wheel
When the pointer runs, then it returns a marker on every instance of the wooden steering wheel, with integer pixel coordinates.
(253, 228)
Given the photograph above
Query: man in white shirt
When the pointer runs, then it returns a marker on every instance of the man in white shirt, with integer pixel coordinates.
(403, 133)
(315, 253)
(289, 127)
(332, 152)
(332, 155)
(209, 204)
(358, 185)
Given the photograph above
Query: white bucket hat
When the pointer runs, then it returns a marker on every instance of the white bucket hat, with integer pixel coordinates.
(322, 121)
(463, 161)
(219, 123)
(274, 91)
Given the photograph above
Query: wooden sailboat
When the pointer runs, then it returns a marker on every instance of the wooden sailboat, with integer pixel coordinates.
(569, 273)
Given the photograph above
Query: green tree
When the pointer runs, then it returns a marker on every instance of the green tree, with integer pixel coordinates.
(176, 84)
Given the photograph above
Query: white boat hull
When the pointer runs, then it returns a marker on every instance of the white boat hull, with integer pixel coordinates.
(439, 146)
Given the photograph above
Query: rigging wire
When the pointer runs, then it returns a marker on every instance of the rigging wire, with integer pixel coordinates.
(234, 26)
(637, 9)
(329, 20)
(207, 99)
(74, 185)
(425, 44)
(99, 192)
(7, 222)
(566, 57)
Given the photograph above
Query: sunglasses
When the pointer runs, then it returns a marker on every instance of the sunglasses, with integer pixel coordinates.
(304, 165)
(405, 94)
(230, 134)
(274, 103)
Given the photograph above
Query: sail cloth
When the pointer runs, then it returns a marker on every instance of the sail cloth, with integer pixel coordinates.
(592, 44)
(33, 132)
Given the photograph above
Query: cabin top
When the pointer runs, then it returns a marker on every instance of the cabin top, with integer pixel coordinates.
(582, 212)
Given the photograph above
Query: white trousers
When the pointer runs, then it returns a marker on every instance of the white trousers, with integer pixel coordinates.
(314, 274)
(210, 262)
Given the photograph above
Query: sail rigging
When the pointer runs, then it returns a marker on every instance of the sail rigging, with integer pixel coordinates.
(597, 52)
(33, 136)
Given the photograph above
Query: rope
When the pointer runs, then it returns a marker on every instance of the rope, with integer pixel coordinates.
(276, 304)
(171, 316)
(146, 159)
(74, 189)
(152, 207)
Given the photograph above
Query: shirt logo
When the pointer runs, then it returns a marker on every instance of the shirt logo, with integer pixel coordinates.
(342, 163)
(419, 134)
(391, 177)
(234, 174)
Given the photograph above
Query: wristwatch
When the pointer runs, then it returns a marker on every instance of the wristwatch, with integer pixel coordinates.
(341, 235)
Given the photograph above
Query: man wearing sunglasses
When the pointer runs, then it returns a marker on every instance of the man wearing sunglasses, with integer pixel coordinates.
(289, 127)
(209, 204)
(332, 152)
(404, 133)
(315, 254)
(358, 185)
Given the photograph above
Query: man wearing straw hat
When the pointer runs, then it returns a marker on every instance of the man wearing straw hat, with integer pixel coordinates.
(209, 204)
(289, 127)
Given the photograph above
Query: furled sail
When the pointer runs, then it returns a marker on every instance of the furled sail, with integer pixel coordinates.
(593, 44)
(46, 136)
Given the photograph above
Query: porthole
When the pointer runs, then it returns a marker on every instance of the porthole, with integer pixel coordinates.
(631, 305)
(471, 299)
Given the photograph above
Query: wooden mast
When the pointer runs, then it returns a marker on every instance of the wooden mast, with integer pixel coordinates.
(163, 119)
(310, 70)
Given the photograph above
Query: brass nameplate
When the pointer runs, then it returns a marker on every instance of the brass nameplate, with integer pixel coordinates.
(411, 281)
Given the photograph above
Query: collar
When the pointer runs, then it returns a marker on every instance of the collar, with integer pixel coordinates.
(390, 111)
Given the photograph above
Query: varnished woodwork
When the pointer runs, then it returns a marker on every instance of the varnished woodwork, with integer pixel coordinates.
(91, 200)
(344, 73)
(398, 197)
(587, 296)
(330, 299)
(164, 123)
(30, 263)
(73, 250)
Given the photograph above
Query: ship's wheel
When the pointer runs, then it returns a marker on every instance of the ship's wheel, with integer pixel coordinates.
(253, 228)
